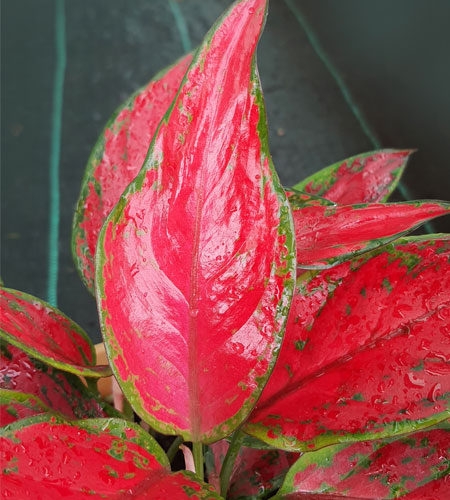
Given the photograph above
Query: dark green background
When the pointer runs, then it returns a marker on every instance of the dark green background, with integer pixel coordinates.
(393, 56)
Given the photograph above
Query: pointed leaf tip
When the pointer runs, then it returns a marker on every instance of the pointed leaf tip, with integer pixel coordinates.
(195, 266)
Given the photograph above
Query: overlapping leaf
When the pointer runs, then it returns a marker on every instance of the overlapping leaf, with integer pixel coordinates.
(16, 405)
(46, 457)
(367, 178)
(61, 391)
(46, 333)
(366, 351)
(256, 472)
(195, 264)
(328, 235)
(415, 466)
(116, 160)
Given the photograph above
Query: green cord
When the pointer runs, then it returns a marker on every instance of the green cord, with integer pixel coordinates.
(55, 149)
(181, 25)
(358, 114)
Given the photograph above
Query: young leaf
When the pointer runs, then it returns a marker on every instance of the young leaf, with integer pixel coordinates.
(16, 405)
(327, 236)
(365, 353)
(61, 391)
(256, 473)
(47, 457)
(373, 470)
(116, 160)
(195, 264)
(367, 178)
(47, 334)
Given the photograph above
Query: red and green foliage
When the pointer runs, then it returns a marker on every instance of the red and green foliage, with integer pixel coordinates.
(298, 338)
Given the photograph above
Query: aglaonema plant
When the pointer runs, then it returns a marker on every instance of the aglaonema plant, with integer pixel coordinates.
(299, 339)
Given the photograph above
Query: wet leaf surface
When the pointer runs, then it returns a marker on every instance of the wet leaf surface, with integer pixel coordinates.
(366, 178)
(366, 351)
(116, 160)
(414, 466)
(327, 236)
(47, 457)
(46, 333)
(195, 265)
(61, 391)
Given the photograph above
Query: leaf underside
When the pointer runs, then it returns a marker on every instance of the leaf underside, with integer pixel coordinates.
(366, 351)
(195, 264)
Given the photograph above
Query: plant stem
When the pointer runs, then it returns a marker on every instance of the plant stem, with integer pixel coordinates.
(172, 451)
(230, 458)
(197, 450)
(92, 384)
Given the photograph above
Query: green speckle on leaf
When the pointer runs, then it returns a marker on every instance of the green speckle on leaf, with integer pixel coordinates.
(348, 310)
(300, 344)
(358, 397)
(387, 284)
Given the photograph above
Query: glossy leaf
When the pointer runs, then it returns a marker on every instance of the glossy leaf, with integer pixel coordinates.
(61, 391)
(116, 160)
(195, 265)
(367, 178)
(366, 351)
(46, 457)
(328, 235)
(374, 470)
(256, 473)
(16, 405)
(47, 334)
(162, 485)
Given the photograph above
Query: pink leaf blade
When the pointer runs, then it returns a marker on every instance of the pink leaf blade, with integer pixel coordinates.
(404, 467)
(46, 333)
(193, 293)
(327, 236)
(116, 159)
(17, 405)
(62, 392)
(365, 353)
(366, 178)
(53, 458)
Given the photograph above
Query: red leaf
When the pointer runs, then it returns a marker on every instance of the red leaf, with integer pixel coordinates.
(256, 472)
(62, 392)
(46, 333)
(16, 405)
(161, 485)
(366, 351)
(195, 264)
(329, 235)
(116, 160)
(417, 463)
(45, 457)
(366, 178)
